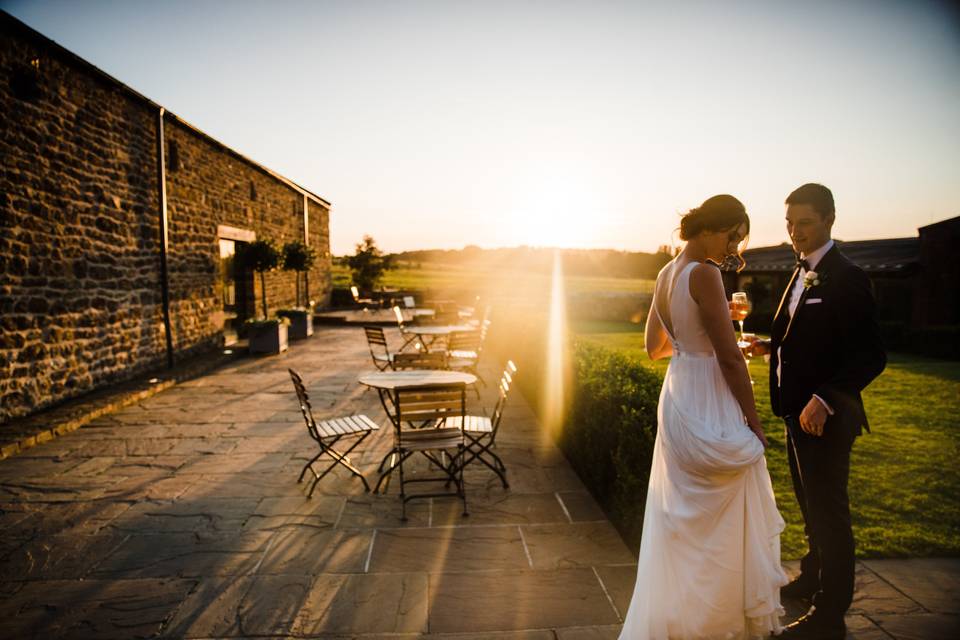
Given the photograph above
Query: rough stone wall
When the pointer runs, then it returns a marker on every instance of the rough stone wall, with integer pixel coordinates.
(80, 281)
(207, 188)
(320, 276)
(79, 294)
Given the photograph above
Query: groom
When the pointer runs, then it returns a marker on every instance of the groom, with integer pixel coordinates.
(824, 350)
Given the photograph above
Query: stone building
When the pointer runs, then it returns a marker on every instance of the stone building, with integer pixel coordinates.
(892, 264)
(916, 282)
(937, 299)
(117, 223)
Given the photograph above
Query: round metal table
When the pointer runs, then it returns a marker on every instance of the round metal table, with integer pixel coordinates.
(393, 380)
(388, 383)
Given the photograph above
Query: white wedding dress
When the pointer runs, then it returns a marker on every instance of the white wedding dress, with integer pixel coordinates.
(709, 564)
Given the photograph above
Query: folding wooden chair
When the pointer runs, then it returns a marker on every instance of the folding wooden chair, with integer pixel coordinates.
(379, 351)
(364, 303)
(418, 314)
(408, 336)
(419, 416)
(464, 349)
(481, 431)
(420, 360)
(328, 433)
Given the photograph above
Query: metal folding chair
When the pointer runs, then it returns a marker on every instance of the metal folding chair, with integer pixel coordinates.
(420, 360)
(364, 303)
(327, 433)
(419, 416)
(408, 336)
(418, 314)
(481, 431)
(379, 351)
(464, 349)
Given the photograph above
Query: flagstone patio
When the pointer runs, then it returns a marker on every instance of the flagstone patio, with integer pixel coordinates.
(180, 516)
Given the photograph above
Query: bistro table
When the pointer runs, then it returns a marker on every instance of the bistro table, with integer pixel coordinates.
(387, 383)
(429, 334)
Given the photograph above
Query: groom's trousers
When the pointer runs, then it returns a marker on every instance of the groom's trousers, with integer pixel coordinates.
(820, 466)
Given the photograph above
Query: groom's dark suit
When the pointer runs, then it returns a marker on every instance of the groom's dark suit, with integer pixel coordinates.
(830, 347)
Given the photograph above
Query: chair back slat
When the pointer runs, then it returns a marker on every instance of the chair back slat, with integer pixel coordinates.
(443, 393)
(441, 406)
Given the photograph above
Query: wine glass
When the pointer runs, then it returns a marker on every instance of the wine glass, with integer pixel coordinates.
(739, 310)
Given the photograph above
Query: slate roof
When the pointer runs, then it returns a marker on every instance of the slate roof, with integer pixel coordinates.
(894, 255)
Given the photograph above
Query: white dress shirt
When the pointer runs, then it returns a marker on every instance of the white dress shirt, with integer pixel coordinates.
(813, 259)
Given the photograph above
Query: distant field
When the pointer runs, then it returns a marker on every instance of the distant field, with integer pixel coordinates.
(483, 281)
(904, 478)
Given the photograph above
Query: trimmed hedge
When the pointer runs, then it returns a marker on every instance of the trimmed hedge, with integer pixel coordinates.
(609, 432)
(610, 421)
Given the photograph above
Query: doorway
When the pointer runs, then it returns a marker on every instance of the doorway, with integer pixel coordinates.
(234, 291)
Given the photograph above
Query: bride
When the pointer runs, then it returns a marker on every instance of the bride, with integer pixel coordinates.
(709, 563)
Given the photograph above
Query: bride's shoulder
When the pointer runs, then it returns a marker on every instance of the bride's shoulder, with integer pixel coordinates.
(704, 276)
(705, 272)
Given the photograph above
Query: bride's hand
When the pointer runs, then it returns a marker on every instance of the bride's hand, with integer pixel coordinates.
(758, 431)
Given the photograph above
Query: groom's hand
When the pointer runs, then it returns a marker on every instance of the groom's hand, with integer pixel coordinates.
(813, 417)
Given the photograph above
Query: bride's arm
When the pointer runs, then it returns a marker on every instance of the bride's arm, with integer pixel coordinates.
(655, 336)
(706, 288)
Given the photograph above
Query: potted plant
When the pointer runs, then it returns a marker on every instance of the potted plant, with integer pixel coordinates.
(298, 257)
(266, 335)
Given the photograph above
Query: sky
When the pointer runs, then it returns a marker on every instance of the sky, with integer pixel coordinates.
(578, 124)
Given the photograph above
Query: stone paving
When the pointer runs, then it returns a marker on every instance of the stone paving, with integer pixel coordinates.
(180, 517)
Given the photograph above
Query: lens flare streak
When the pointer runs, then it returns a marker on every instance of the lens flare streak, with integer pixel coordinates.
(554, 395)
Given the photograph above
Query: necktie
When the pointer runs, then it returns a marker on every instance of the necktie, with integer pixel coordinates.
(802, 264)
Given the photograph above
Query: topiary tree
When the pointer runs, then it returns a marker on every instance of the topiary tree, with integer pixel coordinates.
(298, 257)
(260, 256)
(368, 264)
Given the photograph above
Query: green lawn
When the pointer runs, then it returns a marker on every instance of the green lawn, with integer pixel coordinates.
(486, 281)
(904, 477)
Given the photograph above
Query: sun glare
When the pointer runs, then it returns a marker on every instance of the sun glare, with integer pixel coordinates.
(557, 211)
(556, 351)
(543, 229)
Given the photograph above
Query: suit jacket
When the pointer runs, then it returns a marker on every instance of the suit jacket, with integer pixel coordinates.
(831, 346)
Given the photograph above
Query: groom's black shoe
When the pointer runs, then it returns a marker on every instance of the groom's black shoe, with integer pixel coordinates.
(813, 627)
(799, 589)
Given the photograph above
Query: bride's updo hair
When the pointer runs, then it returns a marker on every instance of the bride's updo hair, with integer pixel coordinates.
(718, 213)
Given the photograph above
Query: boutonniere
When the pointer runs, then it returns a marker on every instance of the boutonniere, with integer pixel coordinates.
(812, 279)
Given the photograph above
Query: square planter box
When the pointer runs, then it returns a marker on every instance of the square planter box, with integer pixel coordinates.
(301, 324)
(271, 338)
